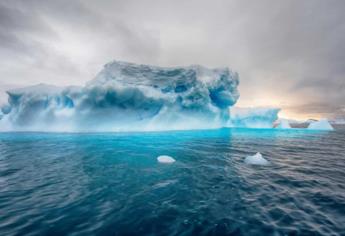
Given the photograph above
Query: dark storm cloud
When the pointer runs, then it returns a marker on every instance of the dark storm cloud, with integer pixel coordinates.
(288, 53)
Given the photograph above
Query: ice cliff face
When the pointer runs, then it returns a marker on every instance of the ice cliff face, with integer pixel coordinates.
(259, 117)
(126, 97)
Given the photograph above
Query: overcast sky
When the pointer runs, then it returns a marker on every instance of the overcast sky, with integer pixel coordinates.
(289, 54)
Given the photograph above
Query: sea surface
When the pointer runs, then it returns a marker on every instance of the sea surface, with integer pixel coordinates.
(112, 184)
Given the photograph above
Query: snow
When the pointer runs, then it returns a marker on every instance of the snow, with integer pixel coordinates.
(322, 124)
(165, 159)
(257, 117)
(127, 97)
(39, 88)
(256, 159)
(283, 124)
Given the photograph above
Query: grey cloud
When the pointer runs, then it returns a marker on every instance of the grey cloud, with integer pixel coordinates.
(114, 30)
(15, 27)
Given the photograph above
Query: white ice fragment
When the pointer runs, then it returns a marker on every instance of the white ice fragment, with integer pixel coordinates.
(256, 159)
(322, 124)
(165, 159)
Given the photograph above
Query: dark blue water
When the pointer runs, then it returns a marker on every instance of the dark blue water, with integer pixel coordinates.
(111, 184)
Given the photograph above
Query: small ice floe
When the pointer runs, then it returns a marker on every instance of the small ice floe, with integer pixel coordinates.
(322, 124)
(257, 159)
(165, 159)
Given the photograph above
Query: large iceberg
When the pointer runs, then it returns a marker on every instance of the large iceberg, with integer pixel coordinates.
(125, 97)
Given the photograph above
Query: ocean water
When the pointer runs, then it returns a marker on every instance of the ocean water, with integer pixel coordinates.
(112, 184)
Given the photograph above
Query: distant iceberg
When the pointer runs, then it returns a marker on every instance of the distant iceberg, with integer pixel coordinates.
(125, 97)
(322, 124)
(259, 117)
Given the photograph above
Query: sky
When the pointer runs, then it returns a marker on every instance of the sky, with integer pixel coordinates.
(289, 54)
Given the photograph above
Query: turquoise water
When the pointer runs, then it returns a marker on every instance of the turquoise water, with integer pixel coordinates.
(112, 184)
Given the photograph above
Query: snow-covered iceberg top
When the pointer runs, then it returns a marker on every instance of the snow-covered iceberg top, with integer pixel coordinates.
(125, 97)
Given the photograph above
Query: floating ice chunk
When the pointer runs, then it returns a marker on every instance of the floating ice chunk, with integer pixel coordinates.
(283, 124)
(257, 159)
(165, 159)
(322, 124)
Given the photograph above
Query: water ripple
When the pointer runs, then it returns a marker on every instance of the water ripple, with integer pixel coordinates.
(111, 184)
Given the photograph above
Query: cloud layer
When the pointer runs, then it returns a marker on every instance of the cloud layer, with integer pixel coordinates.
(288, 54)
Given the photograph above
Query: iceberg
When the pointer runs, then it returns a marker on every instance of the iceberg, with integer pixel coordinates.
(259, 117)
(127, 97)
(322, 124)
(256, 159)
(283, 124)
